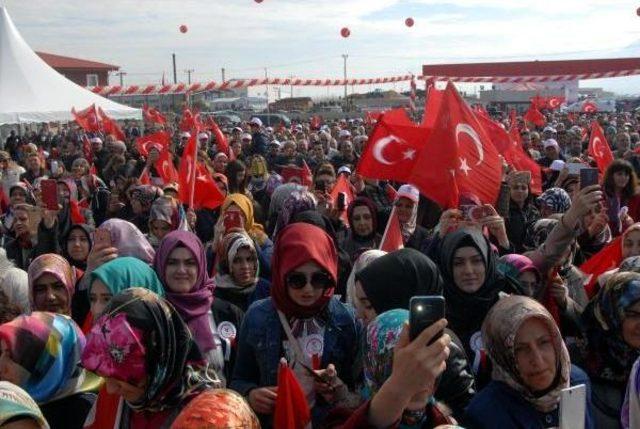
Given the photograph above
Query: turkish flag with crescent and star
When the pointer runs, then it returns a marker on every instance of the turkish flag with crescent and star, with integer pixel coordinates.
(589, 107)
(555, 101)
(165, 168)
(599, 148)
(534, 116)
(88, 119)
(458, 156)
(221, 140)
(159, 140)
(153, 115)
(110, 126)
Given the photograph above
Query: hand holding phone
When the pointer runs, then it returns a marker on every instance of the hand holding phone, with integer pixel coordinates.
(49, 194)
(424, 311)
(102, 238)
(588, 177)
(341, 204)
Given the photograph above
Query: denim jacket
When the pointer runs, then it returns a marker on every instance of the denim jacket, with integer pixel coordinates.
(260, 345)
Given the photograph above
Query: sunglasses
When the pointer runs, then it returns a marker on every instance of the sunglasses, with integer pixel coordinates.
(319, 280)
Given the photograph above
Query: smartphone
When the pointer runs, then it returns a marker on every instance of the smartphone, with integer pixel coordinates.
(574, 167)
(102, 238)
(321, 186)
(573, 402)
(49, 193)
(341, 204)
(54, 167)
(424, 311)
(312, 373)
(232, 219)
(588, 177)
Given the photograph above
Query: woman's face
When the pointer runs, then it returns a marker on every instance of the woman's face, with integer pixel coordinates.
(9, 370)
(529, 282)
(129, 392)
(181, 271)
(535, 355)
(404, 207)
(136, 206)
(50, 294)
(620, 179)
(308, 294)
(244, 267)
(631, 244)
(519, 192)
(468, 269)
(78, 171)
(23, 423)
(78, 245)
(220, 164)
(362, 221)
(364, 309)
(631, 326)
(18, 196)
(159, 228)
(99, 297)
(240, 175)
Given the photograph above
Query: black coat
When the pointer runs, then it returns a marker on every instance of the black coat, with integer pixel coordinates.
(224, 311)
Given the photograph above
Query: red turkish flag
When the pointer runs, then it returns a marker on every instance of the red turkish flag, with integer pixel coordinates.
(187, 171)
(86, 149)
(221, 139)
(392, 237)
(110, 126)
(205, 191)
(555, 101)
(609, 257)
(599, 148)
(534, 116)
(153, 115)
(307, 174)
(159, 140)
(513, 119)
(88, 119)
(165, 168)
(291, 410)
(458, 156)
(538, 102)
(589, 107)
(392, 150)
(144, 178)
(190, 121)
(432, 107)
(342, 186)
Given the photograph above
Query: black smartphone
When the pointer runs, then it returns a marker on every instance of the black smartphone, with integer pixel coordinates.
(342, 201)
(424, 311)
(588, 177)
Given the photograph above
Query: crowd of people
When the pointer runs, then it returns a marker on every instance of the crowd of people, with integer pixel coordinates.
(125, 308)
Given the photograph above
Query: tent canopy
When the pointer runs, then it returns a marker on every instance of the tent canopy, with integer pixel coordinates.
(31, 91)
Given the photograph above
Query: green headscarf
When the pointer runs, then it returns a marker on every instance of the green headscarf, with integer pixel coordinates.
(127, 272)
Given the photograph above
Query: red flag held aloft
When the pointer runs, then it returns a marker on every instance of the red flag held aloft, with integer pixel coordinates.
(86, 149)
(165, 168)
(153, 115)
(110, 126)
(159, 140)
(187, 171)
(432, 106)
(221, 140)
(599, 148)
(342, 186)
(534, 116)
(144, 178)
(205, 191)
(88, 119)
(609, 257)
(392, 237)
(190, 121)
(589, 107)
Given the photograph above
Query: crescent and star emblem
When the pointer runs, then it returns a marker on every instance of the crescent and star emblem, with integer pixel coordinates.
(468, 130)
(381, 144)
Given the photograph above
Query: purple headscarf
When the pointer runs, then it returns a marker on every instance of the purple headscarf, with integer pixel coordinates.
(129, 240)
(193, 306)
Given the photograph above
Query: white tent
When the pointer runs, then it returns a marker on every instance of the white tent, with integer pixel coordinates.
(31, 91)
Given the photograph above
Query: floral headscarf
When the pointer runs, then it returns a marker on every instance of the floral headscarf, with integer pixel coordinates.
(225, 409)
(556, 199)
(499, 335)
(146, 194)
(57, 266)
(48, 347)
(16, 404)
(513, 265)
(382, 336)
(151, 337)
(129, 240)
(297, 202)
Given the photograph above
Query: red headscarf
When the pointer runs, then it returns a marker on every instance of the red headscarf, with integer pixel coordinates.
(296, 245)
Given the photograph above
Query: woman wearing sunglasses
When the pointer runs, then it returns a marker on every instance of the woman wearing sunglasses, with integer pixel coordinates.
(301, 322)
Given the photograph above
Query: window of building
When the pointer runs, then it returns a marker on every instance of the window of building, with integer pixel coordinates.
(92, 80)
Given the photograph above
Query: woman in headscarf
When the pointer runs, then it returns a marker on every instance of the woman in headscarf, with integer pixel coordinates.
(217, 409)
(52, 283)
(363, 226)
(471, 286)
(76, 245)
(302, 321)
(236, 172)
(156, 371)
(258, 177)
(297, 202)
(41, 353)
(410, 273)
(521, 212)
(278, 197)
(406, 205)
(531, 367)
(14, 285)
(521, 269)
(71, 213)
(128, 240)
(620, 185)
(237, 280)
(19, 193)
(18, 409)
(242, 204)
(363, 260)
(141, 198)
(164, 217)
(611, 344)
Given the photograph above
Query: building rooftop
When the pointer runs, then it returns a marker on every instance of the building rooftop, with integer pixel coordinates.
(61, 62)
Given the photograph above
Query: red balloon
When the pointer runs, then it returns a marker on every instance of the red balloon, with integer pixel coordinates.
(183, 28)
(345, 32)
(409, 22)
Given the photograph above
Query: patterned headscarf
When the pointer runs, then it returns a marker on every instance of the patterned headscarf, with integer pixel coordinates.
(57, 266)
(499, 335)
(556, 199)
(217, 409)
(160, 343)
(382, 336)
(48, 347)
(513, 265)
(15, 403)
(146, 194)
(129, 240)
(297, 202)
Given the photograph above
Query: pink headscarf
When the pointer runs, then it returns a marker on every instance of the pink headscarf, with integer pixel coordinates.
(129, 240)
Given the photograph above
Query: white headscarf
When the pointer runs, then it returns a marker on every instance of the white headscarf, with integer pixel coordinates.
(14, 283)
(363, 260)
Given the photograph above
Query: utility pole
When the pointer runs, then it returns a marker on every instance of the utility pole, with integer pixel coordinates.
(223, 78)
(121, 74)
(266, 76)
(344, 57)
(188, 72)
(291, 86)
(175, 74)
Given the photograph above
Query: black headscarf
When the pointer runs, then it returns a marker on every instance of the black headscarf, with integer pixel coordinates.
(466, 311)
(363, 202)
(88, 231)
(391, 280)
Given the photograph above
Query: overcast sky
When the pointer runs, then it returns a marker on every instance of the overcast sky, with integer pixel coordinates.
(301, 37)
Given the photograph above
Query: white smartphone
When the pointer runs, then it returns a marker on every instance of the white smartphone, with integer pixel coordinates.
(573, 404)
(575, 167)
